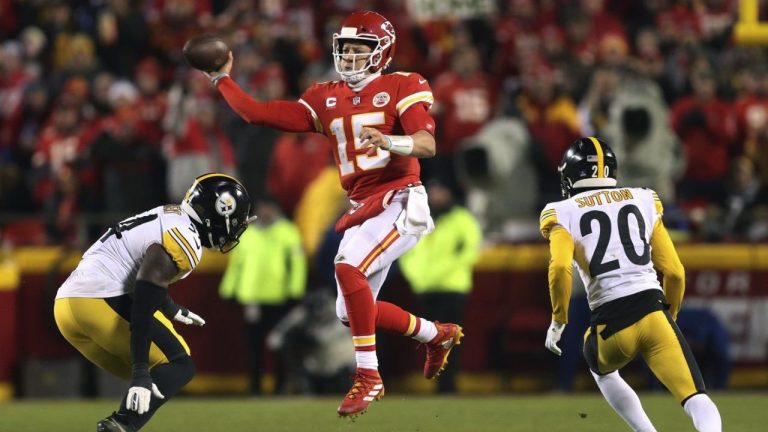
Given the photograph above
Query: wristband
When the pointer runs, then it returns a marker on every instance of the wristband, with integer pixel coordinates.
(215, 80)
(399, 144)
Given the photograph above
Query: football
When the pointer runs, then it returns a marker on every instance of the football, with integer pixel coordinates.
(207, 52)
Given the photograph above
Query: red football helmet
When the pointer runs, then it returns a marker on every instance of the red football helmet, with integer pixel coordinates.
(371, 29)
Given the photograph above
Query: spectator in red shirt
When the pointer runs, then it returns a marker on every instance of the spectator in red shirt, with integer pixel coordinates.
(13, 79)
(132, 167)
(153, 100)
(60, 144)
(552, 121)
(707, 128)
(464, 102)
(202, 147)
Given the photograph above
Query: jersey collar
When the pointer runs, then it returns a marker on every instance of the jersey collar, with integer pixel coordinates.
(358, 86)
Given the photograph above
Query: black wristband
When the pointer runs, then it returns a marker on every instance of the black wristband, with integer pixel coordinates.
(147, 298)
(140, 376)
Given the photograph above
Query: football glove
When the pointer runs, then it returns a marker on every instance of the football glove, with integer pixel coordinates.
(188, 317)
(553, 337)
(141, 390)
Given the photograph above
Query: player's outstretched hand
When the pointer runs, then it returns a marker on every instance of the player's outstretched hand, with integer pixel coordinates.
(139, 396)
(186, 316)
(553, 337)
(225, 70)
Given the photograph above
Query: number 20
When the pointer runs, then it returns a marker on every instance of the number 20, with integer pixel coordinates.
(596, 264)
(378, 160)
(606, 171)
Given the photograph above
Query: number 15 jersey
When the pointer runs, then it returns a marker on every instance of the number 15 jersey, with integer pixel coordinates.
(340, 113)
(611, 231)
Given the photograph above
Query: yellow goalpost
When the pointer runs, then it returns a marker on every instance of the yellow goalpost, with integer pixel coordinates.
(749, 29)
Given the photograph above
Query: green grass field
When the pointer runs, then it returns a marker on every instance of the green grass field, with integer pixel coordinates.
(395, 413)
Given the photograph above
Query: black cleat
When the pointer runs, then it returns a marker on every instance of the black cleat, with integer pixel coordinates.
(111, 424)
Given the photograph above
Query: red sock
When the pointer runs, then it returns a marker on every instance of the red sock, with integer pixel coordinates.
(393, 318)
(360, 307)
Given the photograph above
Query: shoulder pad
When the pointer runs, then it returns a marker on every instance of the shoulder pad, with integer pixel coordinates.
(184, 248)
(412, 89)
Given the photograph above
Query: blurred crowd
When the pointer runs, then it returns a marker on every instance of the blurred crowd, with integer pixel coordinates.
(99, 114)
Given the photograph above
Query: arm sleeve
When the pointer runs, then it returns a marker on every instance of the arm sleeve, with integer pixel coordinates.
(147, 298)
(169, 308)
(666, 260)
(560, 272)
(288, 116)
(414, 99)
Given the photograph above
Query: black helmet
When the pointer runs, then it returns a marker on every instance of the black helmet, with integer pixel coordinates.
(219, 207)
(588, 163)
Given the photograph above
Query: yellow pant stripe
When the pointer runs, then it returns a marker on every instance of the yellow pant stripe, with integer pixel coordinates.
(379, 249)
(655, 337)
(103, 336)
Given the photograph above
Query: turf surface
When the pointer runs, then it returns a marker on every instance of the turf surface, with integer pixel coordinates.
(396, 413)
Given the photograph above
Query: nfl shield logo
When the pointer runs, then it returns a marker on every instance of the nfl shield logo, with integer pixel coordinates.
(356, 100)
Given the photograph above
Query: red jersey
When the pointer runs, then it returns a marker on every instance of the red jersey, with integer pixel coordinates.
(394, 104)
(467, 104)
(340, 113)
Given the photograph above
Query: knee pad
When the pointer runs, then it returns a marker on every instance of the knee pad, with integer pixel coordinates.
(350, 279)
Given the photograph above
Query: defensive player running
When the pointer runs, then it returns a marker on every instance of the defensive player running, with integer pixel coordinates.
(378, 124)
(616, 237)
(115, 307)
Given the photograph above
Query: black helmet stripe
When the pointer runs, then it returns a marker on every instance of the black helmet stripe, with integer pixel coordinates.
(600, 157)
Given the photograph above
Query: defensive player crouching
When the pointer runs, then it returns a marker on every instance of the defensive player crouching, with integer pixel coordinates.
(616, 237)
(115, 307)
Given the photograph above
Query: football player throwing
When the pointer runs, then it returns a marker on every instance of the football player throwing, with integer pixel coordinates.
(378, 125)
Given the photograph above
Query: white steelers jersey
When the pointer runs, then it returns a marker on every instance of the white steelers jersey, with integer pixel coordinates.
(611, 231)
(109, 267)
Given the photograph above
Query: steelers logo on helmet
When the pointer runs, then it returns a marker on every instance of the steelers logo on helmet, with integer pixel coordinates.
(226, 204)
(219, 207)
